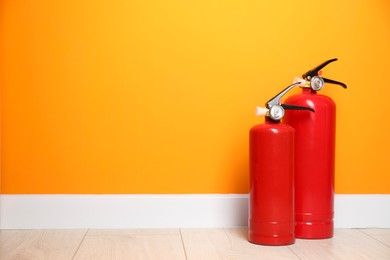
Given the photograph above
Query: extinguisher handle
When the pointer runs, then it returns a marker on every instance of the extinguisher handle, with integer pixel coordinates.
(293, 107)
(315, 72)
(274, 107)
(331, 81)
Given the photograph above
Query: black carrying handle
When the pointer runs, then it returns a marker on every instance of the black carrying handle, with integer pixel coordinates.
(334, 82)
(314, 72)
(293, 107)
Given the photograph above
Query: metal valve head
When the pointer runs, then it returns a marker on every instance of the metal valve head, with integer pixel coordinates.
(274, 107)
(316, 80)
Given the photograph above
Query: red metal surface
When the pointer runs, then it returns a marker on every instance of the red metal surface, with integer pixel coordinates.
(314, 163)
(271, 207)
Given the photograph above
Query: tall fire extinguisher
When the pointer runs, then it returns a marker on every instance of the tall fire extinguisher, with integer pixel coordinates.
(314, 156)
(271, 205)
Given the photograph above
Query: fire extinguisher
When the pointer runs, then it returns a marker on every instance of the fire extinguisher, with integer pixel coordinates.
(271, 208)
(314, 156)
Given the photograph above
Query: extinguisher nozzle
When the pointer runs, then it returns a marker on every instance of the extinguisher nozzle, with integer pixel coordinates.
(301, 82)
(261, 111)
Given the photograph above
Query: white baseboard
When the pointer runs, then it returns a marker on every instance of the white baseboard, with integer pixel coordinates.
(362, 211)
(166, 211)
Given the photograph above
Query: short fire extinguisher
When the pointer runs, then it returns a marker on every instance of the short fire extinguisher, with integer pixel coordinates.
(314, 156)
(271, 205)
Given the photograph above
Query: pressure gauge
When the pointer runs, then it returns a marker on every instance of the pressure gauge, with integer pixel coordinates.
(316, 83)
(276, 112)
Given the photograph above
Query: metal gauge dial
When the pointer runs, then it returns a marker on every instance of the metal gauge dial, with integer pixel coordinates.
(276, 112)
(316, 83)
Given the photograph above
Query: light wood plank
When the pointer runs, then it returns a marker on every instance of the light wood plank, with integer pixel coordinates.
(346, 244)
(39, 244)
(228, 244)
(198, 243)
(124, 245)
(382, 235)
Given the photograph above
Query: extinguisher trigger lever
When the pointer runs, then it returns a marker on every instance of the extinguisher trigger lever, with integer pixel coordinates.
(314, 72)
(293, 107)
(276, 100)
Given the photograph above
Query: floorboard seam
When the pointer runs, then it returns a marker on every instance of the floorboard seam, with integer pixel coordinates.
(81, 242)
(182, 242)
(373, 237)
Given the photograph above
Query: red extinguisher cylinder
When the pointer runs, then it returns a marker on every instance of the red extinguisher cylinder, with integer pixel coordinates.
(271, 202)
(314, 163)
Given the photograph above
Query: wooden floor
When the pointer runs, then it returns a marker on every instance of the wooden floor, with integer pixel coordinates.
(370, 244)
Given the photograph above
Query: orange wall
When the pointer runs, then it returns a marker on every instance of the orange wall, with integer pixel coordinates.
(158, 96)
